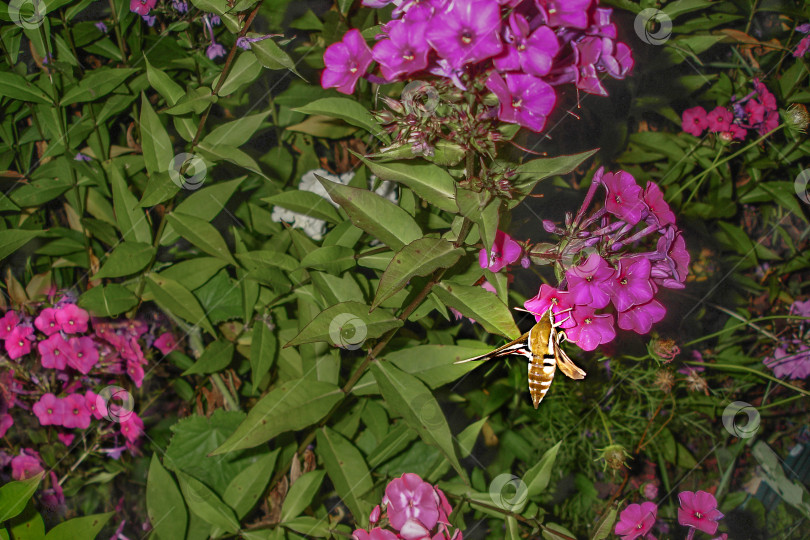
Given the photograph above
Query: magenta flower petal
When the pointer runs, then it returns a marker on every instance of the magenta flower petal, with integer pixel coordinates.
(141, 7)
(623, 198)
(469, 32)
(18, 342)
(694, 121)
(54, 352)
(132, 427)
(346, 61)
(409, 497)
(636, 520)
(549, 297)
(720, 119)
(699, 510)
(632, 285)
(75, 413)
(591, 329)
(567, 13)
(404, 51)
(72, 319)
(49, 410)
(586, 282)
(46, 321)
(640, 318)
(654, 199)
(8, 322)
(523, 99)
(84, 354)
(504, 251)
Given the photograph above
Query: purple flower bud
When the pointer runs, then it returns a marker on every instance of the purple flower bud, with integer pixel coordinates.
(215, 50)
(101, 27)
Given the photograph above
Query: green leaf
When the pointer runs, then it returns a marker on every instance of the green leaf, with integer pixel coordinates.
(347, 470)
(466, 439)
(164, 503)
(236, 132)
(512, 529)
(159, 188)
(247, 487)
(408, 396)
(231, 154)
(290, 406)
(604, 527)
(130, 218)
(538, 477)
(554, 531)
(347, 110)
(202, 234)
(429, 181)
(479, 304)
(16, 87)
(271, 56)
(307, 203)
(205, 503)
(80, 528)
(301, 494)
(419, 258)
(310, 527)
(108, 300)
(193, 273)
(535, 170)
(13, 239)
(15, 495)
(27, 525)
(205, 203)
(217, 356)
(157, 147)
(127, 258)
(333, 259)
(39, 192)
(346, 325)
(244, 71)
(96, 84)
(173, 297)
(166, 87)
(434, 364)
(376, 215)
(194, 100)
(262, 352)
(397, 440)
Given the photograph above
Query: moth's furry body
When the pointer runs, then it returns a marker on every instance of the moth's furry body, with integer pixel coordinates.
(541, 346)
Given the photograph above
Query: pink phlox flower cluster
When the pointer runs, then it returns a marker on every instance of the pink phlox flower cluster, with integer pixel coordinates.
(414, 509)
(520, 49)
(613, 272)
(756, 111)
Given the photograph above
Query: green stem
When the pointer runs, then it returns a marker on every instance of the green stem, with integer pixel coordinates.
(604, 423)
(755, 372)
(117, 28)
(230, 402)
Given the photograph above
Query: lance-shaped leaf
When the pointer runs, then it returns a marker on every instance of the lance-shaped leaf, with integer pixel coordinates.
(346, 325)
(347, 110)
(307, 203)
(247, 487)
(108, 300)
(164, 503)
(130, 218)
(376, 215)
(291, 406)
(479, 304)
(157, 147)
(205, 503)
(163, 83)
(348, 471)
(127, 258)
(217, 356)
(80, 528)
(15, 495)
(604, 527)
(236, 132)
(16, 87)
(173, 297)
(538, 477)
(301, 494)
(332, 259)
(13, 239)
(429, 181)
(419, 258)
(262, 352)
(538, 169)
(409, 397)
(202, 234)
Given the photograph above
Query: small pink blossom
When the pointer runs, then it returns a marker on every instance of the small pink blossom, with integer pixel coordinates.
(586, 282)
(66, 438)
(549, 297)
(6, 421)
(623, 198)
(409, 497)
(18, 342)
(84, 354)
(135, 372)
(46, 321)
(719, 119)
(165, 343)
(636, 520)
(631, 286)
(650, 491)
(375, 534)
(49, 410)
(699, 510)
(132, 427)
(75, 413)
(640, 318)
(72, 319)
(54, 352)
(346, 62)
(95, 405)
(591, 329)
(8, 323)
(654, 198)
(504, 251)
(695, 121)
(25, 465)
(141, 7)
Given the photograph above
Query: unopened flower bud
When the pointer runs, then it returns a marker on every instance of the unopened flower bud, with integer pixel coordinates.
(550, 226)
(615, 456)
(797, 117)
(375, 515)
(393, 104)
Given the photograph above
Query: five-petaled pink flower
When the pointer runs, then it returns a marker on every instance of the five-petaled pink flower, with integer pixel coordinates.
(469, 32)
(75, 413)
(165, 343)
(550, 297)
(694, 121)
(409, 497)
(592, 329)
(84, 354)
(504, 252)
(524, 99)
(8, 322)
(141, 7)
(46, 321)
(72, 319)
(18, 342)
(25, 465)
(631, 285)
(587, 281)
(49, 410)
(54, 352)
(132, 427)
(699, 510)
(636, 520)
(346, 61)
(623, 198)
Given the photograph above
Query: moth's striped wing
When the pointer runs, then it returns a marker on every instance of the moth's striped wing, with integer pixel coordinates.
(567, 366)
(519, 346)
